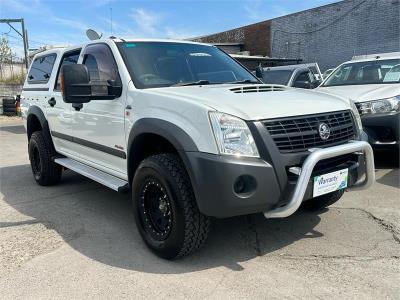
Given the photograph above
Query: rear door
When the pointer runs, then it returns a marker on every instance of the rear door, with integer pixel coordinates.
(59, 113)
(98, 127)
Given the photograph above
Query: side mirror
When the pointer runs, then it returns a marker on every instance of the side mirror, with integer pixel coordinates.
(259, 72)
(76, 86)
(302, 84)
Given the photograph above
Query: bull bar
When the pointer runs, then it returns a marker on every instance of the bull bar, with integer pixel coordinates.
(308, 166)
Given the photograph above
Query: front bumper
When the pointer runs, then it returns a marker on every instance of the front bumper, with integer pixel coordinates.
(382, 129)
(228, 186)
(215, 180)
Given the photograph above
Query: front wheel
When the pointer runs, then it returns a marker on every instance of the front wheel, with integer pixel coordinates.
(165, 209)
(323, 201)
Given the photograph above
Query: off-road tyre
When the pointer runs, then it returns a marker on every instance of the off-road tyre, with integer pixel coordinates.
(321, 202)
(41, 154)
(184, 228)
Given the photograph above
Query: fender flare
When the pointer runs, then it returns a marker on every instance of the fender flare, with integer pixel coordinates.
(38, 113)
(175, 135)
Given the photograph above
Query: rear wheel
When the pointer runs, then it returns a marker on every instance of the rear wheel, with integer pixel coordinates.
(41, 154)
(165, 209)
(323, 201)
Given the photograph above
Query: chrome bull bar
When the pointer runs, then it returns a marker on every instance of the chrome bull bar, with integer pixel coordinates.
(308, 166)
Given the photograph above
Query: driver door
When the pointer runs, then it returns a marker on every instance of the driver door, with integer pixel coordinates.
(98, 126)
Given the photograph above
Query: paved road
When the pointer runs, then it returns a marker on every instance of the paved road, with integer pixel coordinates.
(78, 239)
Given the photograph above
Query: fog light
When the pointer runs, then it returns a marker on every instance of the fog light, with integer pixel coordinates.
(239, 186)
(245, 185)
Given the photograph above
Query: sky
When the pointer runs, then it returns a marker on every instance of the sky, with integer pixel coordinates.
(65, 22)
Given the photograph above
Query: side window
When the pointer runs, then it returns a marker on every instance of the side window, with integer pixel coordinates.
(41, 68)
(302, 77)
(68, 59)
(100, 62)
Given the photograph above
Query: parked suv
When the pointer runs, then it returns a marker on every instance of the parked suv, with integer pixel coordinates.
(374, 85)
(190, 133)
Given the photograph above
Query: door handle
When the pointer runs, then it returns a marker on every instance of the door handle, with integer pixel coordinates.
(52, 101)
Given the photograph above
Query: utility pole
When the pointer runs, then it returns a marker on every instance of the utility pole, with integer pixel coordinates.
(24, 35)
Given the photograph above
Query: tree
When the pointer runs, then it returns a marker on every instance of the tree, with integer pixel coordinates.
(7, 74)
(5, 50)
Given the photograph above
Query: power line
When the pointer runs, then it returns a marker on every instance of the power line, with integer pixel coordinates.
(317, 29)
(24, 35)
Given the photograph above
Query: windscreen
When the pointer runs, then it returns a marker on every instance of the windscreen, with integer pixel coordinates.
(367, 72)
(277, 76)
(163, 64)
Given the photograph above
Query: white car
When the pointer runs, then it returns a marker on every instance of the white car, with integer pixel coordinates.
(374, 85)
(190, 133)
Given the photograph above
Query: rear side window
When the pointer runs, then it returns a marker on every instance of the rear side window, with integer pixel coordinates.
(68, 59)
(41, 68)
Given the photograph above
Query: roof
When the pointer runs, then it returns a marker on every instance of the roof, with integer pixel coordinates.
(370, 59)
(155, 40)
(49, 51)
(377, 55)
(57, 49)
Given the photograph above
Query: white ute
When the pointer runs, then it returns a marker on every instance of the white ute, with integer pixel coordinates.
(373, 83)
(190, 133)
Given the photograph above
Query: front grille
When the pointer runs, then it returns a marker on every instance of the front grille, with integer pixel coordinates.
(296, 134)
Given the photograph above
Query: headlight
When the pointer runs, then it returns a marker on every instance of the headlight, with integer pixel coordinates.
(380, 106)
(232, 135)
(356, 115)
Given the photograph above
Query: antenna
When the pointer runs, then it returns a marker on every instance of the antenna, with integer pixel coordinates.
(93, 35)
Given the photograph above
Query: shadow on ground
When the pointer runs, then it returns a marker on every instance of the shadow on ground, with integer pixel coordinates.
(99, 223)
(17, 129)
(388, 160)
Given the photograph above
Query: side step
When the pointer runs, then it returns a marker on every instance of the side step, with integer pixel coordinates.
(108, 180)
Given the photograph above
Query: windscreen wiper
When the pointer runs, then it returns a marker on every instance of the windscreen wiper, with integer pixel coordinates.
(244, 81)
(199, 82)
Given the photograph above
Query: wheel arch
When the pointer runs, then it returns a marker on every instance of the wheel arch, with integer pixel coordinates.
(148, 130)
(36, 121)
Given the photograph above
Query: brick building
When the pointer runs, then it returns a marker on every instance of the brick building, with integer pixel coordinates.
(329, 35)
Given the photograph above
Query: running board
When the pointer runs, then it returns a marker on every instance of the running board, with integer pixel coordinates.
(108, 180)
